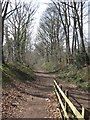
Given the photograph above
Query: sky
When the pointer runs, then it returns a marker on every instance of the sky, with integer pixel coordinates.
(42, 6)
(41, 9)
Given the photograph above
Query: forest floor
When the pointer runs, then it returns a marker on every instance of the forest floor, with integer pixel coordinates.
(35, 98)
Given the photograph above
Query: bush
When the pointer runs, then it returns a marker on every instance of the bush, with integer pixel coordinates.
(80, 60)
(79, 81)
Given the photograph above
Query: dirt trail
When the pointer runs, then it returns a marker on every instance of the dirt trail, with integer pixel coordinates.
(38, 97)
(35, 97)
(31, 99)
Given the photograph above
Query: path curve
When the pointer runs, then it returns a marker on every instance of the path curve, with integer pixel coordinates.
(37, 94)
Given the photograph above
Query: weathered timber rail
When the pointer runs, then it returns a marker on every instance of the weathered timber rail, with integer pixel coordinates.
(66, 104)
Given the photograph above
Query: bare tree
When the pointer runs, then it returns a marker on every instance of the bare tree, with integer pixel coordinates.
(5, 15)
(64, 13)
(51, 34)
(18, 25)
(78, 29)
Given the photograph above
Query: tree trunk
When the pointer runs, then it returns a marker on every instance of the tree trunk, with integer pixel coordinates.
(80, 26)
(2, 41)
(3, 19)
(0, 33)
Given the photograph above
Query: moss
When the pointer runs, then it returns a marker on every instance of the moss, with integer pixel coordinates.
(16, 72)
(23, 68)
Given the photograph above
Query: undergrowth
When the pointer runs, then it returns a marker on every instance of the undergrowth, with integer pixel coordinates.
(80, 77)
(16, 71)
(49, 66)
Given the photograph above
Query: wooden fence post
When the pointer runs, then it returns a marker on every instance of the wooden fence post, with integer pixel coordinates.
(60, 94)
(66, 105)
(83, 112)
(61, 87)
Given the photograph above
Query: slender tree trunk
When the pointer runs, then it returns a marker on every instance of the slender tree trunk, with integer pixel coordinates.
(0, 33)
(2, 40)
(3, 19)
(80, 26)
(67, 34)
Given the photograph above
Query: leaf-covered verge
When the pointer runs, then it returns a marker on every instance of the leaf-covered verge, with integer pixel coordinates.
(79, 77)
(15, 78)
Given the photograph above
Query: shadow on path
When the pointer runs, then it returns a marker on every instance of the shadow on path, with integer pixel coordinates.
(41, 87)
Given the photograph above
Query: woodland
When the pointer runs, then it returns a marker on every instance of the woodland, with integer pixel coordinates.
(60, 46)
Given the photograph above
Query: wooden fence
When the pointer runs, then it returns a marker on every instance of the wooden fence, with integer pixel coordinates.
(66, 104)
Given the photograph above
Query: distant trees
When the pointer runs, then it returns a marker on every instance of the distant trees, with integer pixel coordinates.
(61, 32)
(78, 25)
(60, 37)
(5, 15)
(64, 13)
(50, 35)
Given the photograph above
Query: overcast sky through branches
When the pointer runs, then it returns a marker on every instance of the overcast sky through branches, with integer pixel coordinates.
(42, 6)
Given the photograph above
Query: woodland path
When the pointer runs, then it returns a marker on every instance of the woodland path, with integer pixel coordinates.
(36, 100)
(31, 98)
(38, 97)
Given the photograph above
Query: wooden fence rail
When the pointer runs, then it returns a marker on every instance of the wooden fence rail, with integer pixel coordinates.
(68, 104)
